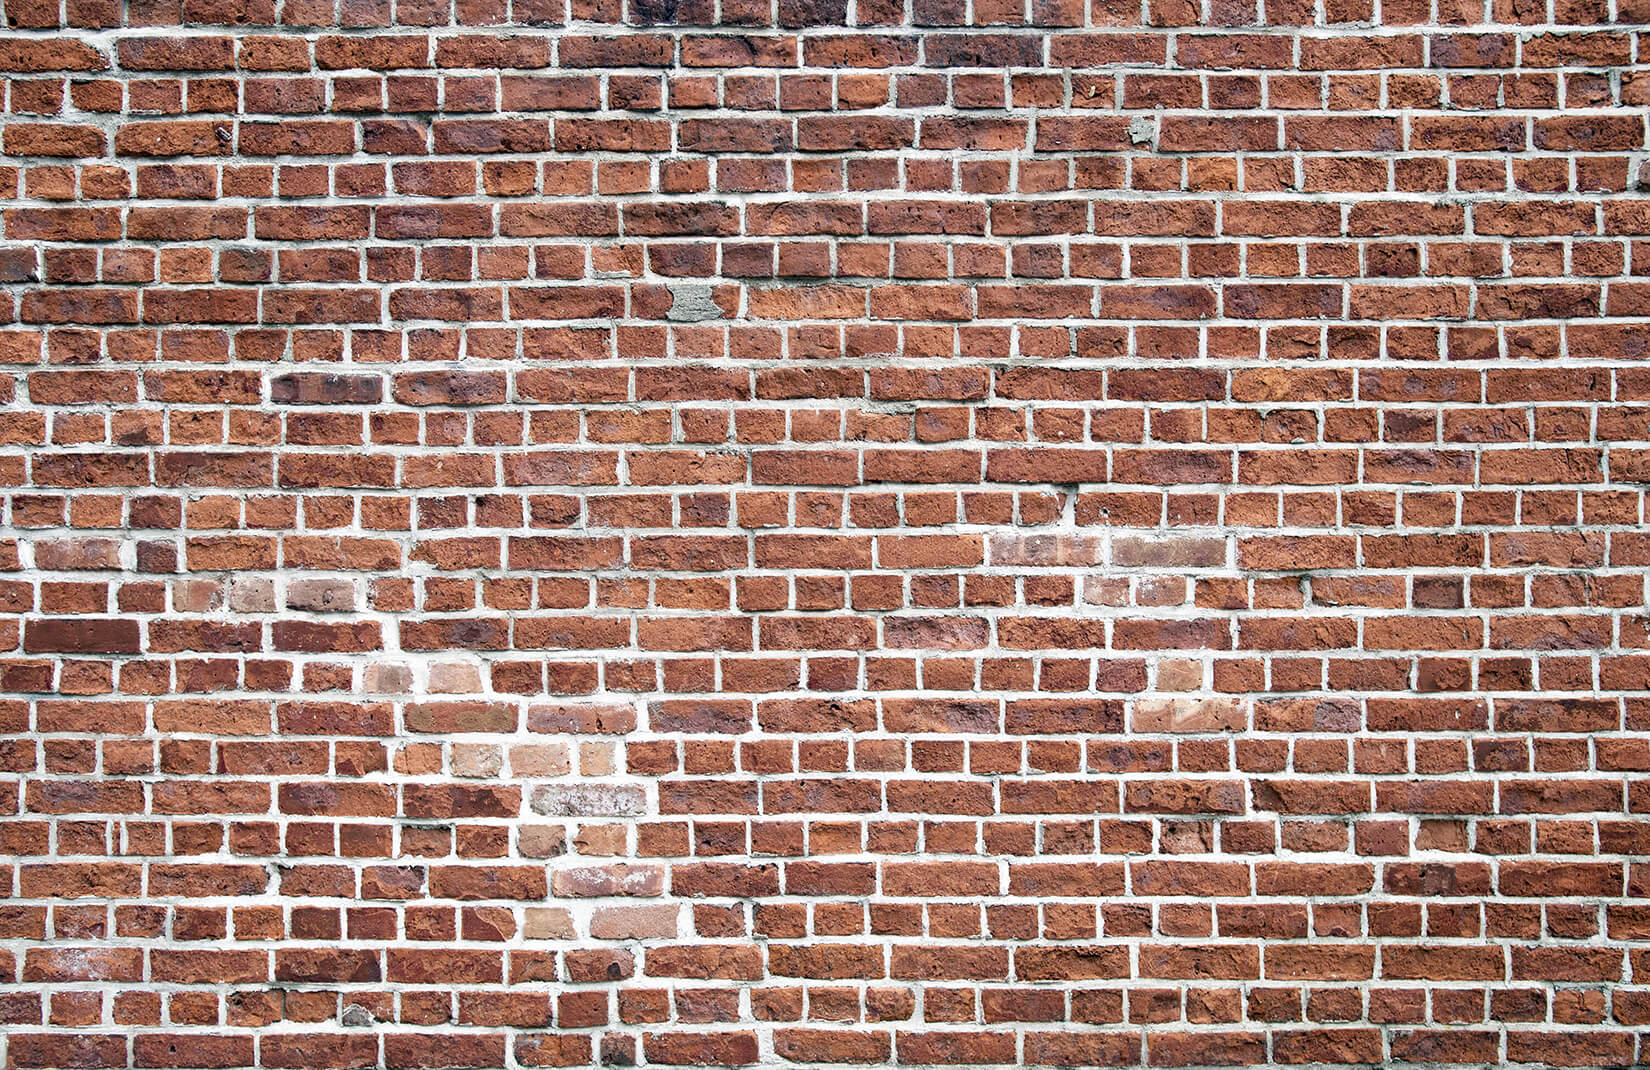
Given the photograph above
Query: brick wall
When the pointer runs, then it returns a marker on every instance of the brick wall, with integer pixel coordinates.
(811, 532)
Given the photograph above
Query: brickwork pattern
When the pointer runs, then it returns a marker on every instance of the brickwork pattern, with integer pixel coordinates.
(678, 532)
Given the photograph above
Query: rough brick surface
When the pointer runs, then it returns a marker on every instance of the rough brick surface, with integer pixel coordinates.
(805, 532)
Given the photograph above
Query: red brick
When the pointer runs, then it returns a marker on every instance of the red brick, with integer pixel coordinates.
(1028, 505)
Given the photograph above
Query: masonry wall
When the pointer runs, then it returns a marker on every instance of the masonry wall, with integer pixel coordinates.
(801, 533)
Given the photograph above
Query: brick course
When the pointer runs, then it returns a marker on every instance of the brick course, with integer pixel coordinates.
(566, 532)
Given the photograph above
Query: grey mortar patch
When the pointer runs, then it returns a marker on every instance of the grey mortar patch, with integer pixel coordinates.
(690, 304)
